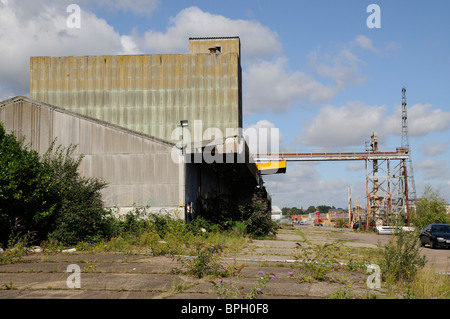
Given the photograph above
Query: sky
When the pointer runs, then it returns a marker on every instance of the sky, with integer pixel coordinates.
(326, 73)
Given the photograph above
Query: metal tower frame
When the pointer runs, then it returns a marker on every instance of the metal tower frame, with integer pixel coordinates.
(390, 188)
(410, 187)
(385, 182)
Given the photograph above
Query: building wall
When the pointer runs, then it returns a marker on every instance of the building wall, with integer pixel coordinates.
(138, 169)
(146, 93)
(226, 44)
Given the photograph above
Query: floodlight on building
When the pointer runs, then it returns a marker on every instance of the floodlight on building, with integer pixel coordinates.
(183, 124)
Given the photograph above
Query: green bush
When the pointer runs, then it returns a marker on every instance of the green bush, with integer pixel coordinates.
(134, 222)
(206, 262)
(202, 226)
(48, 195)
(27, 191)
(257, 217)
(249, 215)
(431, 209)
(400, 259)
(81, 216)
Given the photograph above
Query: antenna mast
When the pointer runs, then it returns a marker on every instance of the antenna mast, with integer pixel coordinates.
(411, 187)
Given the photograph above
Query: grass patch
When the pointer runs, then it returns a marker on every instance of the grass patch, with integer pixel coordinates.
(302, 234)
(427, 285)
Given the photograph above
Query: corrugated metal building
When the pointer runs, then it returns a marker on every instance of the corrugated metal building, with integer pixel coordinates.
(137, 167)
(148, 93)
(122, 111)
(140, 170)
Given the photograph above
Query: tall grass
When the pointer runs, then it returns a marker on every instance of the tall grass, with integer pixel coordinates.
(429, 285)
(155, 234)
(400, 259)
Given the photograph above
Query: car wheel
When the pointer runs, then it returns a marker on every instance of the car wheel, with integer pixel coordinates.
(432, 244)
(422, 244)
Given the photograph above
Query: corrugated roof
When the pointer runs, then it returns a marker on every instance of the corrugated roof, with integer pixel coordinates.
(214, 38)
(21, 98)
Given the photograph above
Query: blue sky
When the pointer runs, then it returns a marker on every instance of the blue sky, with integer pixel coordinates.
(313, 69)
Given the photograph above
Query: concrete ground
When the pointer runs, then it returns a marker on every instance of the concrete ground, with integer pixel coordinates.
(124, 276)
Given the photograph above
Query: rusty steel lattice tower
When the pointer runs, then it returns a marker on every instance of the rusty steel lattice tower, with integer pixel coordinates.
(390, 186)
(384, 185)
(410, 187)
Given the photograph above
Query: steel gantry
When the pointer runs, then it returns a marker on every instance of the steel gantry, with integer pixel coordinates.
(386, 177)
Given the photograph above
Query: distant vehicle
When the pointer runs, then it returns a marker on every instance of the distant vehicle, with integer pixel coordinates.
(389, 230)
(436, 235)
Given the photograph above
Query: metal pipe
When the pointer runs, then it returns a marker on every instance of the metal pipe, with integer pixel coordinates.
(406, 192)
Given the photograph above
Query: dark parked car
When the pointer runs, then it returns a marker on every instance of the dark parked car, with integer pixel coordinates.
(436, 235)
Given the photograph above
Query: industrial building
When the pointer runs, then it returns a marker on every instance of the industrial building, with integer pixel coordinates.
(150, 94)
(124, 113)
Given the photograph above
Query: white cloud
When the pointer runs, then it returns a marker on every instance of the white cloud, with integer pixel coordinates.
(393, 47)
(422, 119)
(353, 123)
(355, 166)
(257, 41)
(302, 185)
(344, 67)
(268, 85)
(432, 149)
(344, 126)
(365, 43)
(433, 169)
(271, 85)
(35, 29)
(129, 45)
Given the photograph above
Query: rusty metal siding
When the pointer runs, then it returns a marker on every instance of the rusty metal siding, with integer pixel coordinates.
(146, 93)
(138, 169)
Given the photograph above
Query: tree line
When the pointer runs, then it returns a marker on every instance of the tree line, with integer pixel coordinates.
(323, 209)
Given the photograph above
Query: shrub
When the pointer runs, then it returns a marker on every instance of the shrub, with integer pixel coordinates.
(430, 209)
(240, 228)
(318, 261)
(341, 293)
(81, 216)
(226, 290)
(206, 261)
(27, 192)
(257, 217)
(48, 195)
(134, 222)
(400, 258)
(250, 215)
(256, 290)
(201, 226)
